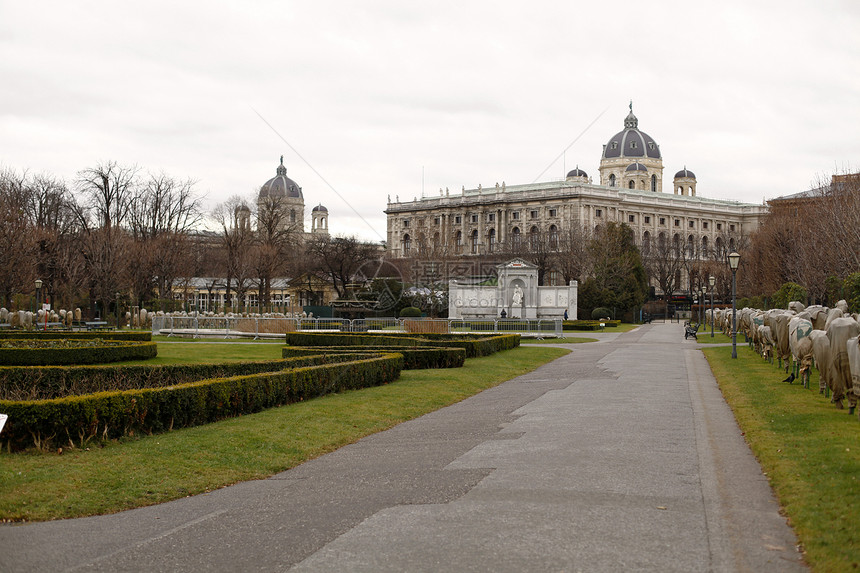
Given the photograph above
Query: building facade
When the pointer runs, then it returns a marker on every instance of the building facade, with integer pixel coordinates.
(486, 221)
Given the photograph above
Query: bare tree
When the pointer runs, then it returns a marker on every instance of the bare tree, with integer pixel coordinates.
(163, 214)
(236, 238)
(339, 258)
(17, 237)
(573, 258)
(276, 240)
(663, 258)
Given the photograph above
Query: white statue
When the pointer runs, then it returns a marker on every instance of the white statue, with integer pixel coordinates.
(517, 299)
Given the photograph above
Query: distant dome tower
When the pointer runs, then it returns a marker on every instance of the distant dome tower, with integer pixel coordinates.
(286, 192)
(242, 218)
(576, 175)
(632, 157)
(685, 182)
(319, 220)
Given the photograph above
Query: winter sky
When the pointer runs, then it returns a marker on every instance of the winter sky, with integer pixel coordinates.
(370, 98)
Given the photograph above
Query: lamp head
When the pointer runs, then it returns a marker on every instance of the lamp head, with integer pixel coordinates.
(38, 284)
(712, 280)
(734, 260)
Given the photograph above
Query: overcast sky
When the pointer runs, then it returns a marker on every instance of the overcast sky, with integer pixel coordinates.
(373, 98)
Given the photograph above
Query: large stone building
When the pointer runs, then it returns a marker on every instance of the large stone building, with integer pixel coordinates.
(484, 221)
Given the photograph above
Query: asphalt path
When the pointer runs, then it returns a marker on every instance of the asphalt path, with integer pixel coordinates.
(620, 456)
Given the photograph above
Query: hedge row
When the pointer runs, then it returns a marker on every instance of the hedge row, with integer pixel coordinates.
(106, 415)
(78, 355)
(588, 324)
(473, 345)
(139, 336)
(48, 382)
(413, 358)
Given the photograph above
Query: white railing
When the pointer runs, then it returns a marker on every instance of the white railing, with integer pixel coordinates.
(269, 327)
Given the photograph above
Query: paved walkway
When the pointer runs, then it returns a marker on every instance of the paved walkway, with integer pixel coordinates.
(621, 456)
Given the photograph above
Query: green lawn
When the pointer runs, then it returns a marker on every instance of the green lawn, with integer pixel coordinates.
(566, 339)
(809, 450)
(178, 351)
(154, 469)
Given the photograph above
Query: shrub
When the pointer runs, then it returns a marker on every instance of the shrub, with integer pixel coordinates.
(102, 334)
(410, 312)
(106, 415)
(788, 292)
(474, 345)
(48, 382)
(413, 358)
(98, 352)
(601, 312)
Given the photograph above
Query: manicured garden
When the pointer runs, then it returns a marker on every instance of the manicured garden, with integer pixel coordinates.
(136, 470)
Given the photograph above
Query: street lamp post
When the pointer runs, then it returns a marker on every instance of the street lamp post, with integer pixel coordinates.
(704, 302)
(711, 281)
(734, 261)
(38, 295)
(117, 310)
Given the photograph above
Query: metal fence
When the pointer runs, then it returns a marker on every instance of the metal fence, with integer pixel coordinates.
(270, 327)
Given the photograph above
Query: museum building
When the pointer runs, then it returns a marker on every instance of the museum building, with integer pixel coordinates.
(486, 221)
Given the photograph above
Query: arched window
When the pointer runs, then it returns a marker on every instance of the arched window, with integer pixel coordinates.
(646, 243)
(292, 216)
(631, 184)
(691, 246)
(458, 240)
(436, 241)
(475, 242)
(516, 237)
(534, 238)
(680, 190)
(612, 180)
(731, 244)
(676, 244)
(718, 247)
(491, 240)
(654, 183)
(407, 244)
(704, 246)
(553, 237)
(661, 242)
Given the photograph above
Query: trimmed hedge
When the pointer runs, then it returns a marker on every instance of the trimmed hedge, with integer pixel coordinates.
(106, 415)
(78, 355)
(413, 358)
(138, 336)
(48, 382)
(473, 345)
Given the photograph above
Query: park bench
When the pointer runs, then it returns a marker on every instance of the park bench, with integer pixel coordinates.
(691, 330)
(97, 325)
(50, 326)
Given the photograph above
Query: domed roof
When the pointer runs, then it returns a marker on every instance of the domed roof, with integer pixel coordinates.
(280, 185)
(636, 166)
(631, 142)
(320, 208)
(576, 173)
(685, 173)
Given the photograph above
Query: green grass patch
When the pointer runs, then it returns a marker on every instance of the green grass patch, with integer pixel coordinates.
(560, 340)
(144, 471)
(809, 450)
(192, 352)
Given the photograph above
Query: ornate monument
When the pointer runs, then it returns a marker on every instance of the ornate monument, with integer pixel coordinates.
(516, 293)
